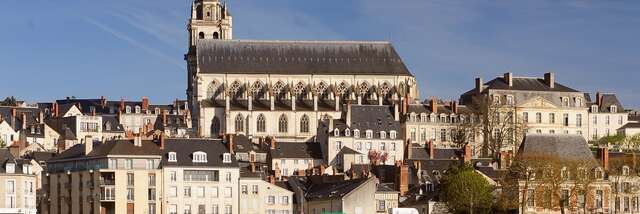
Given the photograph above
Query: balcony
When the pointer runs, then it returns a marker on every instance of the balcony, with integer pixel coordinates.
(107, 179)
(107, 194)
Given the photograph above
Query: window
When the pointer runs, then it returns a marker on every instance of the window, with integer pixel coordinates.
(172, 176)
(359, 146)
(285, 200)
(151, 194)
(413, 135)
(564, 196)
(538, 117)
(565, 119)
(244, 189)
(381, 206)
(187, 209)
(261, 123)
(552, 118)
(595, 119)
(137, 109)
(173, 209)
(199, 157)
(200, 192)
(173, 191)
(271, 200)
(254, 189)
(172, 157)
(128, 109)
(338, 146)
(565, 101)
(393, 147)
(214, 209)
(282, 124)
(510, 100)
(214, 192)
(347, 132)
(200, 175)
(187, 191)
(525, 117)
(382, 147)
(226, 158)
(152, 208)
(620, 118)
(130, 193)
(227, 177)
(581, 200)
(227, 192)
(369, 134)
(201, 209)
(423, 135)
(130, 179)
(304, 124)
(579, 120)
(128, 164)
(336, 132)
(443, 135)
(599, 198)
(578, 102)
(368, 145)
(151, 164)
(227, 209)
(383, 135)
(607, 120)
(613, 109)
(356, 133)
(239, 123)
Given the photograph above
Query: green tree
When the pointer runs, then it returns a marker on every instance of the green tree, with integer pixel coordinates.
(2, 143)
(616, 140)
(9, 101)
(466, 191)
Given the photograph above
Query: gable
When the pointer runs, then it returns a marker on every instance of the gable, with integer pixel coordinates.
(537, 102)
(73, 111)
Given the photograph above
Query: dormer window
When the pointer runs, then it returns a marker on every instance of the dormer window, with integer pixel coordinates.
(199, 157)
(11, 168)
(578, 102)
(138, 110)
(107, 126)
(383, 135)
(565, 101)
(172, 157)
(613, 109)
(226, 158)
(594, 109)
(156, 111)
(347, 132)
(369, 134)
(423, 117)
(393, 134)
(356, 133)
(598, 174)
(128, 109)
(336, 132)
(33, 130)
(625, 170)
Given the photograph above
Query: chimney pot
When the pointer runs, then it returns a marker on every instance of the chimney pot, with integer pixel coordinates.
(508, 78)
(434, 105)
(231, 144)
(145, 104)
(479, 85)
(604, 156)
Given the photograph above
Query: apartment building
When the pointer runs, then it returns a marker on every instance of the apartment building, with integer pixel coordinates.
(261, 197)
(352, 196)
(118, 176)
(17, 185)
(201, 176)
(293, 158)
(606, 116)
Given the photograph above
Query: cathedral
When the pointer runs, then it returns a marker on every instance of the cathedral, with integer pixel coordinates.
(283, 89)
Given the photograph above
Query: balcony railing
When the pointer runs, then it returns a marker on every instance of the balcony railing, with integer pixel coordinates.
(107, 194)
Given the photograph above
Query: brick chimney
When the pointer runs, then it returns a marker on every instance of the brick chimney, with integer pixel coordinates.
(55, 110)
(103, 101)
(479, 85)
(24, 120)
(231, 144)
(277, 171)
(122, 104)
(88, 144)
(599, 98)
(431, 149)
(137, 140)
(253, 167)
(508, 78)
(273, 143)
(467, 153)
(164, 118)
(162, 141)
(550, 79)
(13, 118)
(322, 169)
(403, 179)
(40, 117)
(348, 117)
(434, 105)
(454, 107)
(145, 104)
(604, 157)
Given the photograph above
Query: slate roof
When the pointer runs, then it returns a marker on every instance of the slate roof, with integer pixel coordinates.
(184, 149)
(244, 145)
(442, 109)
(422, 153)
(370, 117)
(6, 157)
(113, 147)
(609, 100)
(297, 150)
(299, 57)
(631, 125)
(527, 84)
(113, 121)
(333, 190)
(565, 147)
(386, 187)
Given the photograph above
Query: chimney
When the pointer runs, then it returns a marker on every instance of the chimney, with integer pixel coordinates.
(479, 85)
(145, 104)
(13, 118)
(396, 111)
(277, 171)
(55, 110)
(330, 124)
(164, 118)
(253, 167)
(93, 111)
(273, 143)
(231, 144)
(467, 153)
(550, 79)
(404, 179)
(434, 105)
(508, 78)
(409, 150)
(272, 179)
(121, 104)
(137, 140)
(431, 152)
(40, 117)
(24, 120)
(103, 101)
(162, 140)
(454, 107)
(604, 157)
(322, 169)
(88, 144)
(348, 117)
(598, 98)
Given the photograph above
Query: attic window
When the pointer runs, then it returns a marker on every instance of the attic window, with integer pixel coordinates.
(156, 111)
(594, 109)
(392, 134)
(613, 109)
(11, 168)
(172, 157)
(128, 109)
(356, 133)
(107, 126)
(347, 132)
(369, 134)
(138, 110)
(336, 132)
(383, 134)
(625, 170)
(199, 157)
(578, 102)
(226, 158)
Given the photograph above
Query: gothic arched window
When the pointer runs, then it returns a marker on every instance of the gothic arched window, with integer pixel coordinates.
(256, 88)
(299, 89)
(239, 124)
(261, 123)
(282, 123)
(215, 126)
(304, 124)
(199, 12)
(385, 88)
(234, 88)
(212, 89)
(343, 88)
(363, 88)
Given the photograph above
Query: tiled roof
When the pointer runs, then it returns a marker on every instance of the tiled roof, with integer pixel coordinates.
(298, 57)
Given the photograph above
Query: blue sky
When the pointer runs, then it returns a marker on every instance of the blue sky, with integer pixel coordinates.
(50, 49)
